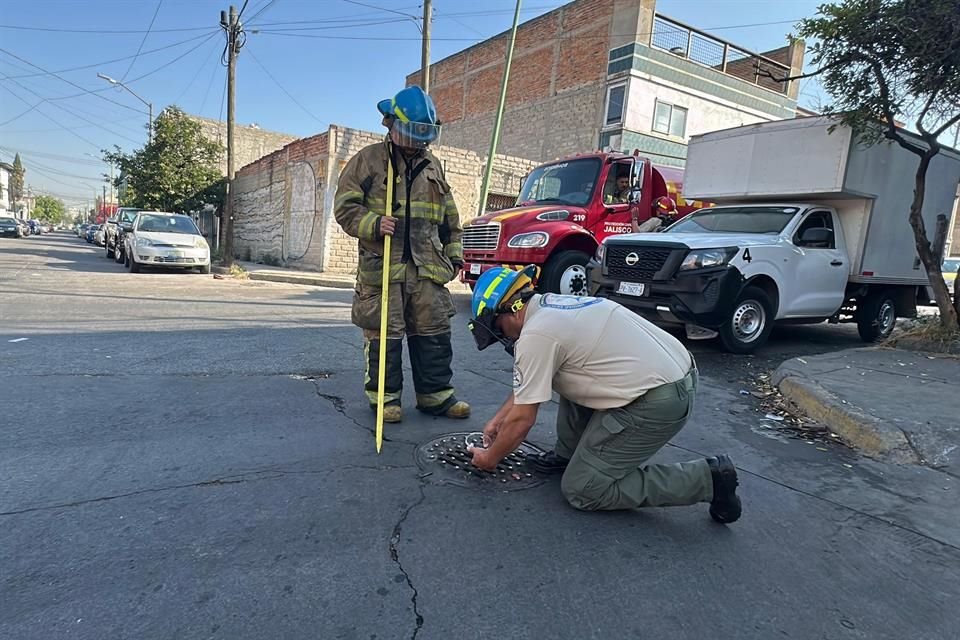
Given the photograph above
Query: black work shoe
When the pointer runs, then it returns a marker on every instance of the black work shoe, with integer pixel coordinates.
(725, 507)
(548, 462)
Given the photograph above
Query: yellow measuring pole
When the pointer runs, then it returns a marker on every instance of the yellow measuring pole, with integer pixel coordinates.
(384, 302)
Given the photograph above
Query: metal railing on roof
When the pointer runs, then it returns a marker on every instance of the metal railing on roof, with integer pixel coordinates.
(697, 46)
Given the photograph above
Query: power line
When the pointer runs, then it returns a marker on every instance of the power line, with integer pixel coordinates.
(385, 10)
(98, 31)
(263, 8)
(70, 82)
(106, 62)
(49, 117)
(277, 82)
(371, 23)
(143, 41)
(145, 75)
(54, 156)
(203, 65)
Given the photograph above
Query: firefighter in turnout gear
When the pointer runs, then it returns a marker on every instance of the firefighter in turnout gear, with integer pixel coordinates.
(426, 254)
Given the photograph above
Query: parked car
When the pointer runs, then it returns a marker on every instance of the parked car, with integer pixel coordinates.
(113, 236)
(35, 227)
(82, 230)
(91, 230)
(98, 235)
(10, 228)
(24, 227)
(158, 238)
(949, 270)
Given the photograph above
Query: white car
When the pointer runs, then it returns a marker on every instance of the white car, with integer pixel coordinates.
(161, 239)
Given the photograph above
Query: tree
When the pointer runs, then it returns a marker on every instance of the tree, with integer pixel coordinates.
(176, 171)
(884, 60)
(16, 182)
(49, 209)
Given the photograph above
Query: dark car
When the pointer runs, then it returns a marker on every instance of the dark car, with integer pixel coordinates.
(113, 234)
(35, 227)
(91, 231)
(10, 228)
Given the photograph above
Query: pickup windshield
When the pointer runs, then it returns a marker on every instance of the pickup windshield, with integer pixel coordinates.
(764, 220)
(568, 183)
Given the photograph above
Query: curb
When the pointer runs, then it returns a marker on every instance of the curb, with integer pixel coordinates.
(316, 281)
(870, 435)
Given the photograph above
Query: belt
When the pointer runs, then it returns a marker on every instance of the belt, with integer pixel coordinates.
(669, 389)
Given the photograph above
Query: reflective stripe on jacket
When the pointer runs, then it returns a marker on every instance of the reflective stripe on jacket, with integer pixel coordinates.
(434, 222)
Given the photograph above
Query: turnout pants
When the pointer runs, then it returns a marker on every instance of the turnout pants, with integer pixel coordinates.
(608, 451)
(420, 309)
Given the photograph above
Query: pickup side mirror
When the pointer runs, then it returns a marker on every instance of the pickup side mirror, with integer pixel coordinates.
(816, 237)
(127, 227)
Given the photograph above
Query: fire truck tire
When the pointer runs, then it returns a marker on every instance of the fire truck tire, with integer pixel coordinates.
(566, 273)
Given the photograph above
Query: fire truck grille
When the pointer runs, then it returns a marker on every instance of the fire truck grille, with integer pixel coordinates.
(645, 262)
(481, 237)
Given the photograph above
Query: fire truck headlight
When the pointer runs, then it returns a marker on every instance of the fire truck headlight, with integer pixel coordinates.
(532, 240)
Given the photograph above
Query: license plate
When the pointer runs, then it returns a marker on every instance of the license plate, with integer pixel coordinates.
(174, 254)
(632, 288)
(475, 269)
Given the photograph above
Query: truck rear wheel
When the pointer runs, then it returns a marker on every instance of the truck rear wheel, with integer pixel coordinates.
(876, 316)
(566, 273)
(751, 322)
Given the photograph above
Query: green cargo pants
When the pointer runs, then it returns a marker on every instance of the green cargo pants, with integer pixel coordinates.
(608, 451)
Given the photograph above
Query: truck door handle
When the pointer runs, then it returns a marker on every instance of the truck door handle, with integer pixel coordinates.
(836, 263)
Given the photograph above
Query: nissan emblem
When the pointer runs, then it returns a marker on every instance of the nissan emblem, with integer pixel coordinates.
(632, 258)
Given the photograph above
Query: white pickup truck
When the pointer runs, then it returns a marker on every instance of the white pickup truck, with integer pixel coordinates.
(810, 226)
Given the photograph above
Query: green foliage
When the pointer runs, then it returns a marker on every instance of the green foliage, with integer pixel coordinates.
(884, 60)
(49, 209)
(177, 171)
(16, 181)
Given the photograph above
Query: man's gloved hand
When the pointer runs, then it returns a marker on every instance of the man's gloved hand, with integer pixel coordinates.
(386, 226)
(457, 266)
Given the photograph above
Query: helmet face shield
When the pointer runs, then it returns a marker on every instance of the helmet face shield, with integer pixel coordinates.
(414, 135)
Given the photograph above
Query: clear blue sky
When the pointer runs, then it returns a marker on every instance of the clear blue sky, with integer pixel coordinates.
(334, 57)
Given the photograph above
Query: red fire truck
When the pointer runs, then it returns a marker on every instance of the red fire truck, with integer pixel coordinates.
(564, 210)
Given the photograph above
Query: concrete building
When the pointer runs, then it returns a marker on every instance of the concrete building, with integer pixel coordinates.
(283, 202)
(596, 74)
(6, 203)
(251, 142)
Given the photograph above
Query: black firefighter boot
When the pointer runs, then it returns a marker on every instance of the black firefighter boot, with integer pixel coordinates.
(725, 506)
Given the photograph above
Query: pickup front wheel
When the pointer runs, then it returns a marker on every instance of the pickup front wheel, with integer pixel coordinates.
(566, 273)
(751, 322)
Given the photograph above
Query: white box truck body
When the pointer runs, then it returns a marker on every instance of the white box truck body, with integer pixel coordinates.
(809, 225)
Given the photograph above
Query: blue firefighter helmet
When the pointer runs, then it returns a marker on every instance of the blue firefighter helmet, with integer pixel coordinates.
(491, 292)
(414, 117)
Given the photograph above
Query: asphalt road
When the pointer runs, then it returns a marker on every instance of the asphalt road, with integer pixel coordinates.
(184, 457)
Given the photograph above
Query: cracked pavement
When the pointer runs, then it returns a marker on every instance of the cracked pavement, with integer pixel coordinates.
(184, 457)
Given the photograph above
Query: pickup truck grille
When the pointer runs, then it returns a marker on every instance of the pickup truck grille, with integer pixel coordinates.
(481, 237)
(649, 261)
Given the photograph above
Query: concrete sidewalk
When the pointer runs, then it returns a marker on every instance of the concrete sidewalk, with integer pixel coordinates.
(314, 278)
(889, 403)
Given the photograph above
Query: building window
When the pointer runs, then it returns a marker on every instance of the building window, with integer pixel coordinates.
(615, 101)
(670, 119)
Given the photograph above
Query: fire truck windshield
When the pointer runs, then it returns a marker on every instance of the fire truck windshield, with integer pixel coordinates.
(571, 183)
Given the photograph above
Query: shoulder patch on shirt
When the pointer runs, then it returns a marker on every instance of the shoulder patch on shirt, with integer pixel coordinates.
(558, 301)
(517, 376)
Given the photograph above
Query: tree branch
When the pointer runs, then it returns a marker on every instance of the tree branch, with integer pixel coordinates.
(949, 123)
(766, 73)
(889, 118)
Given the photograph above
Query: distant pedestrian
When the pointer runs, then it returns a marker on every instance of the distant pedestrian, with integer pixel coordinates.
(626, 388)
(426, 254)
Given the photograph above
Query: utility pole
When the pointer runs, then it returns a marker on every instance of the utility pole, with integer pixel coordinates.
(232, 26)
(495, 138)
(425, 52)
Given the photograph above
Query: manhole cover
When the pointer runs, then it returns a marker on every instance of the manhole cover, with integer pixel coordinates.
(445, 460)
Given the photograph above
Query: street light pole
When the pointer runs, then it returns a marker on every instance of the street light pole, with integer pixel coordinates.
(117, 83)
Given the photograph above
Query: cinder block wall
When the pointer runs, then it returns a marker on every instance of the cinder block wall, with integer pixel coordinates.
(283, 202)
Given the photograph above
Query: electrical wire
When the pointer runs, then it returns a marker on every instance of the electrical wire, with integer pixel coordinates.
(106, 62)
(99, 31)
(281, 87)
(49, 117)
(143, 41)
(54, 156)
(264, 8)
(70, 82)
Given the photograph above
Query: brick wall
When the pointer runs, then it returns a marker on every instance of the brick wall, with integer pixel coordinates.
(556, 91)
(283, 202)
(251, 142)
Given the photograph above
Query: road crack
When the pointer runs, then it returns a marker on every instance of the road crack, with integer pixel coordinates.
(395, 556)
